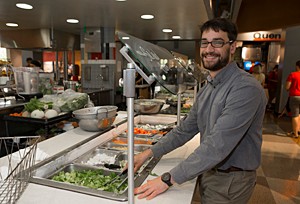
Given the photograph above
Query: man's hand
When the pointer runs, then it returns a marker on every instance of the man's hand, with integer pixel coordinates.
(151, 189)
(140, 159)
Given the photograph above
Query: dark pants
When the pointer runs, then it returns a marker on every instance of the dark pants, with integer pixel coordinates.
(231, 188)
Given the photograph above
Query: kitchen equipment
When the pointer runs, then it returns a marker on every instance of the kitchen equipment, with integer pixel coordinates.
(147, 106)
(26, 79)
(70, 85)
(97, 118)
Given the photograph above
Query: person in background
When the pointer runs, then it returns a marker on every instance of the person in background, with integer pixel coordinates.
(228, 113)
(75, 74)
(293, 86)
(28, 61)
(272, 85)
(258, 74)
(35, 63)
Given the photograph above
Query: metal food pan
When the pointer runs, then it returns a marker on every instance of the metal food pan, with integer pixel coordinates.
(86, 158)
(123, 147)
(137, 141)
(77, 167)
(153, 138)
(145, 136)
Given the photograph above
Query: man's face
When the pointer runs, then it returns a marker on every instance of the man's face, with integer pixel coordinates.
(213, 58)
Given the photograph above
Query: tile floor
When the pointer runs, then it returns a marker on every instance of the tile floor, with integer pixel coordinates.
(278, 177)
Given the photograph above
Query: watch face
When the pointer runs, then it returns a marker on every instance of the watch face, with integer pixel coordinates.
(166, 177)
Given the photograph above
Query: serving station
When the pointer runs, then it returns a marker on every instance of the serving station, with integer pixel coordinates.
(74, 149)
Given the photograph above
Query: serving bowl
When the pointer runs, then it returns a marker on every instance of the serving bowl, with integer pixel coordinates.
(147, 106)
(97, 118)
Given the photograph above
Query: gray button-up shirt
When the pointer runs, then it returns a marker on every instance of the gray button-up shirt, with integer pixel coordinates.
(228, 113)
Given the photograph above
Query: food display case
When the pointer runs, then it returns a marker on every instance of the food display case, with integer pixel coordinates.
(105, 156)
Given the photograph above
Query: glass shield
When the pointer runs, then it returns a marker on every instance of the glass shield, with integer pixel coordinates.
(158, 62)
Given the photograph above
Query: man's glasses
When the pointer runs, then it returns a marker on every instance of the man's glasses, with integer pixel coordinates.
(214, 43)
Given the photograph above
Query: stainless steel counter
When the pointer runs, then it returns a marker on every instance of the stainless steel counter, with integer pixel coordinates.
(94, 90)
(10, 102)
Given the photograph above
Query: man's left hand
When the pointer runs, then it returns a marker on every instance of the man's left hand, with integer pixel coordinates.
(151, 189)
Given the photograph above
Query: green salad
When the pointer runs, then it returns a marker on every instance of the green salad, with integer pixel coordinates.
(92, 179)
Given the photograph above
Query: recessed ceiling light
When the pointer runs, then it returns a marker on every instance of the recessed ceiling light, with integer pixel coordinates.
(24, 6)
(167, 30)
(12, 24)
(121, 0)
(147, 16)
(176, 37)
(72, 20)
(125, 38)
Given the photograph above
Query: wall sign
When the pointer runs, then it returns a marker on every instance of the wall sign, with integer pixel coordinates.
(274, 35)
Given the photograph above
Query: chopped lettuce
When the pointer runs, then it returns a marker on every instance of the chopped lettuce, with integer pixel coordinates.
(91, 178)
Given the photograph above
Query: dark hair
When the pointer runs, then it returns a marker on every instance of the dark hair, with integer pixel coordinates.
(29, 59)
(223, 24)
(36, 63)
(298, 63)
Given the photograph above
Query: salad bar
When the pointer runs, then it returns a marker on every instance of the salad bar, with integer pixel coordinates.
(99, 171)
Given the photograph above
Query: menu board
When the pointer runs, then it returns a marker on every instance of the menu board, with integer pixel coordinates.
(158, 62)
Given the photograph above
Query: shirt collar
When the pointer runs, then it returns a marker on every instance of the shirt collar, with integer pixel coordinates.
(224, 74)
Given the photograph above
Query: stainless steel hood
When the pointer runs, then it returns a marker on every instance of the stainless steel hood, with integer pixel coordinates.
(39, 39)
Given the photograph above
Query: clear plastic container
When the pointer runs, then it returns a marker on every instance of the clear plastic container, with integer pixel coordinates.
(26, 79)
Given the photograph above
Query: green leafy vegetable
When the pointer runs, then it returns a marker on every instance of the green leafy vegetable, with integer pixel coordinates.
(91, 178)
(36, 104)
(74, 103)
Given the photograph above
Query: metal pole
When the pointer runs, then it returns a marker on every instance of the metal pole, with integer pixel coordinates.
(195, 92)
(178, 108)
(129, 92)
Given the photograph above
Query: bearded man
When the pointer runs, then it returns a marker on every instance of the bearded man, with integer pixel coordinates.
(228, 113)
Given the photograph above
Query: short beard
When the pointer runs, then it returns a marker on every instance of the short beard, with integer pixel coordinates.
(222, 62)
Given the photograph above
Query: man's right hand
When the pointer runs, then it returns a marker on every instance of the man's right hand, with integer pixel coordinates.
(140, 159)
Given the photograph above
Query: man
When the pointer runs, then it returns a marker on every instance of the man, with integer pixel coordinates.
(293, 87)
(228, 113)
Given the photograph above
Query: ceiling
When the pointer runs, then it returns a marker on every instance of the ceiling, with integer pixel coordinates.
(182, 16)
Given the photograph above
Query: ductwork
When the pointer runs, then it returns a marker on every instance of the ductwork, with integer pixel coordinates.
(39, 39)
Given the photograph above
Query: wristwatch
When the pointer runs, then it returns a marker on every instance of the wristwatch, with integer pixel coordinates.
(166, 178)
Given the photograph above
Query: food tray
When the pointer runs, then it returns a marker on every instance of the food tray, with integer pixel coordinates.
(138, 141)
(98, 157)
(42, 121)
(123, 147)
(48, 179)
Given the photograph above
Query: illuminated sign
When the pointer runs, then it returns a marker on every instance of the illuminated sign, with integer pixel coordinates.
(261, 36)
(274, 35)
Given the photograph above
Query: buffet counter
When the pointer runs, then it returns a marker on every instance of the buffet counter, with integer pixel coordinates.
(40, 194)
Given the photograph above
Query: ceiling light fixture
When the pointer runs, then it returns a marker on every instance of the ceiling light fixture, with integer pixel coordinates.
(72, 20)
(147, 16)
(176, 37)
(125, 38)
(167, 30)
(121, 0)
(12, 24)
(24, 6)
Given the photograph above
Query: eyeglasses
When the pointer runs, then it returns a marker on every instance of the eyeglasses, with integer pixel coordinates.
(214, 43)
